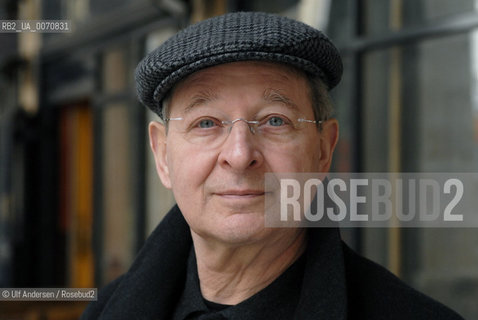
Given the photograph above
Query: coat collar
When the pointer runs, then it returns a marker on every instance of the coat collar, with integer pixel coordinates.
(324, 292)
(154, 283)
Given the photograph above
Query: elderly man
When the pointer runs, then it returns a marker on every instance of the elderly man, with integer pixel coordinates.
(241, 95)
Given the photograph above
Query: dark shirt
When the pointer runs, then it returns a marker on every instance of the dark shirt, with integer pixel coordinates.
(213, 306)
(277, 301)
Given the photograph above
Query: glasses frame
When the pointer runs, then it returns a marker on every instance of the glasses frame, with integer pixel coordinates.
(252, 124)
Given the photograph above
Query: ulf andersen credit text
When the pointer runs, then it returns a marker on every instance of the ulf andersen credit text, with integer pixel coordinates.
(48, 294)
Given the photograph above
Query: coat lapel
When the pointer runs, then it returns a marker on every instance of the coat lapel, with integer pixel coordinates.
(152, 286)
(324, 292)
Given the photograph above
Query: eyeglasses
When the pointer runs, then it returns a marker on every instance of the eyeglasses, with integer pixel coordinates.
(211, 131)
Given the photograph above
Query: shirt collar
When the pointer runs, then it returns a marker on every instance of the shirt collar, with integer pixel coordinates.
(277, 301)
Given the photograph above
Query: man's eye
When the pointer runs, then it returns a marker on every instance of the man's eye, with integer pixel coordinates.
(275, 121)
(206, 123)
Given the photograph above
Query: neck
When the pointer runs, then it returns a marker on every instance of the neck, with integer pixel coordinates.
(229, 274)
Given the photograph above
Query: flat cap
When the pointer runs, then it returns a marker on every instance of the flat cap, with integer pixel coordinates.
(238, 36)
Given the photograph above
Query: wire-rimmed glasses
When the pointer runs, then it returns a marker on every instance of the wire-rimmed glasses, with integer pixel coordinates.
(211, 131)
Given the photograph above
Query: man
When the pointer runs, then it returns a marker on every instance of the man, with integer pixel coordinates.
(241, 95)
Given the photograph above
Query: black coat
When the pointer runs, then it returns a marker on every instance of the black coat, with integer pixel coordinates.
(338, 283)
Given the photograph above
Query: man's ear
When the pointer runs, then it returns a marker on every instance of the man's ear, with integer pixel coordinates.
(157, 142)
(329, 136)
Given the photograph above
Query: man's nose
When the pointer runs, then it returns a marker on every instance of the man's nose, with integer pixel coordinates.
(241, 150)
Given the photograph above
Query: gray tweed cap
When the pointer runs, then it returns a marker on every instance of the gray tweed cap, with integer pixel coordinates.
(238, 36)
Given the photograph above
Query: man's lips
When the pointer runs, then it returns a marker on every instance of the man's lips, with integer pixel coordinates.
(240, 193)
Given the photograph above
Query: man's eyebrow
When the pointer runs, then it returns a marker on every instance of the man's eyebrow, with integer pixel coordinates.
(200, 98)
(272, 95)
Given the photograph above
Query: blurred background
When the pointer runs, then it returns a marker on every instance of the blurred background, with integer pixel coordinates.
(78, 189)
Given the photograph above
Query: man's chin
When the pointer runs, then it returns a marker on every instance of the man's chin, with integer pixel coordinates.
(238, 229)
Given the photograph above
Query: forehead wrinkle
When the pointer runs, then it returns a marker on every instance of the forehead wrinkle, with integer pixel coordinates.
(273, 95)
(200, 98)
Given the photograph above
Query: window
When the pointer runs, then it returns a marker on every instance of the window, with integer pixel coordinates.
(409, 98)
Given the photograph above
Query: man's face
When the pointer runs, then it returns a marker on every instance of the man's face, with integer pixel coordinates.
(219, 187)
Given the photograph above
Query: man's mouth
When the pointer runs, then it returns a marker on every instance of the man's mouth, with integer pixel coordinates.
(246, 193)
